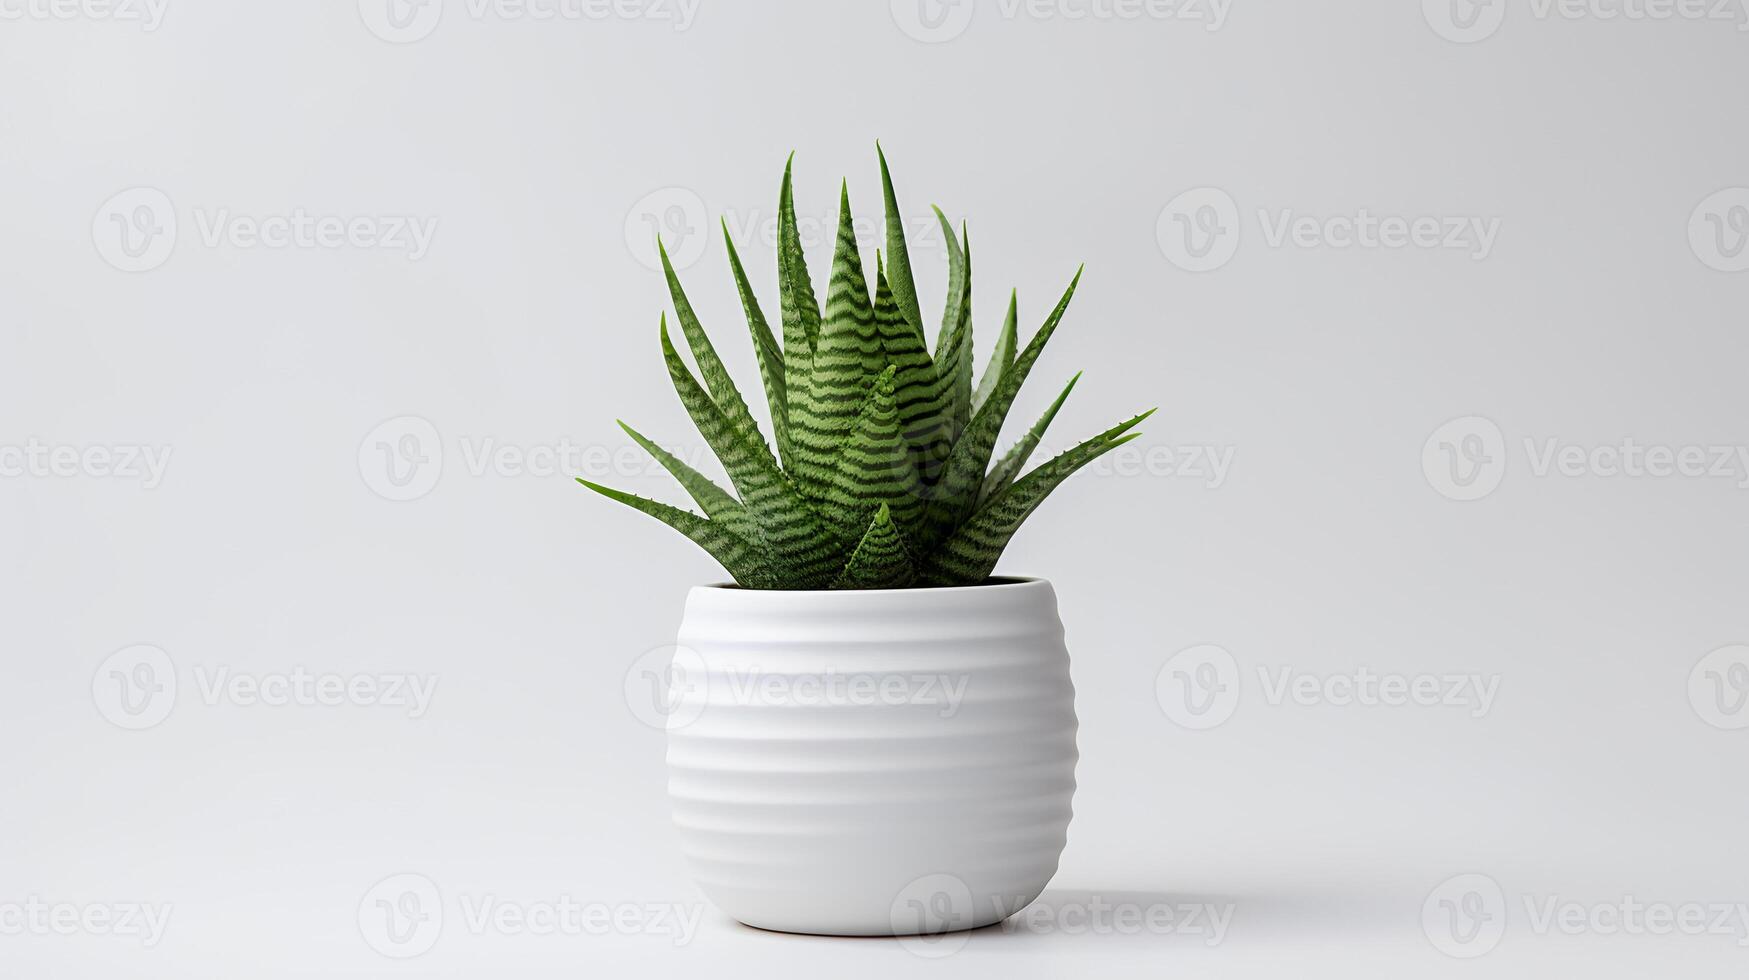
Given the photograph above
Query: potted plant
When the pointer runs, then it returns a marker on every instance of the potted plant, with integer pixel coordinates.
(872, 736)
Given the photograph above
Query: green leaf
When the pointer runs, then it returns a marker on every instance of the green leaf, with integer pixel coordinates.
(847, 357)
(957, 492)
(1014, 461)
(800, 311)
(740, 558)
(771, 365)
(716, 376)
(953, 345)
(717, 503)
(918, 397)
(880, 560)
(873, 467)
(898, 254)
(970, 554)
(1002, 358)
(788, 527)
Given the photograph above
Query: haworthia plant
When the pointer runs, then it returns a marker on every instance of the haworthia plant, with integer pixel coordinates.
(882, 476)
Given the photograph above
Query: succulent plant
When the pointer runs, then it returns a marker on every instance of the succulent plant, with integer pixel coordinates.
(882, 477)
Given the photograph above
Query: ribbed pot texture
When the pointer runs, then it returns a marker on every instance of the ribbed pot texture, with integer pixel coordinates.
(872, 763)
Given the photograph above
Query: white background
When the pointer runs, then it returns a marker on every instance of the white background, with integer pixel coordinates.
(536, 151)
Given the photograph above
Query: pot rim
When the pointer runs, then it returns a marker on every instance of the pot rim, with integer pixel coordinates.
(995, 583)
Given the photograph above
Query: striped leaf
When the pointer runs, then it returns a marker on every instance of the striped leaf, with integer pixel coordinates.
(1004, 472)
(970, 554)
(953, 344)
(771, 366)
(873, 467)
(880, 560)
(716, 376)
(898, 254)
(1002, 357)
(800, 311)
(957, 493)
(787, 526)
(847, 356)
(718, 504)
(743, 561)
(918, 398)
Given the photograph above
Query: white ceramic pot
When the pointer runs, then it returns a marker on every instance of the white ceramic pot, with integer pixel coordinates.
(869, 763)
